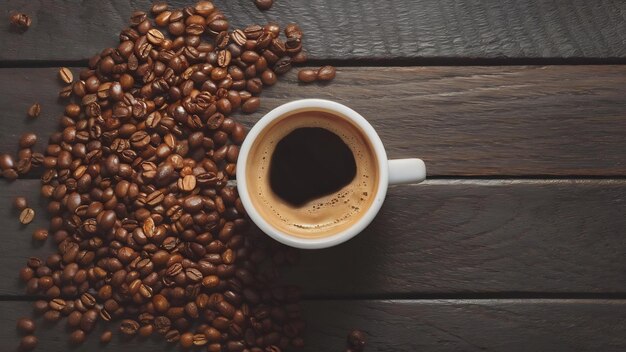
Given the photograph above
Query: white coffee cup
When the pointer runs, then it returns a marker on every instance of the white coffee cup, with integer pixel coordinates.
(390, 172)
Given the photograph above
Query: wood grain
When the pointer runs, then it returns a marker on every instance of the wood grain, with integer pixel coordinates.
(443, 30)
(438, 237)
(463, 121)
(425, 325)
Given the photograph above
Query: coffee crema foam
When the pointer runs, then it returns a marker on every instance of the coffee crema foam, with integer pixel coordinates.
(326, 215)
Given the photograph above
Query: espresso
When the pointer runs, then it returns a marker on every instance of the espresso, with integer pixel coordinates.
(312, 174)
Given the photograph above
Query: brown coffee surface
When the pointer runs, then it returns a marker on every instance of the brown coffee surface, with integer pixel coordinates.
(325, 215)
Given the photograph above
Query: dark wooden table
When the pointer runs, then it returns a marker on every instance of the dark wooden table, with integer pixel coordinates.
(517, 242)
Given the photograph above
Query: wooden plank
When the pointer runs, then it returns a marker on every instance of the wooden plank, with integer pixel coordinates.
(425, 325)
(445, 30)
(440, 237)
(533, 120)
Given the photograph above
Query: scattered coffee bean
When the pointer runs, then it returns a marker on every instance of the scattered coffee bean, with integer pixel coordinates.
(77, 337)
(356, 340)
(27, 215)
(66, 75)
(263, 4)
(106, 337)
(326, 73)
(26, 326)
(27, 140)
(20, 21)
(40, 235)
(20, 203)
(34, 110)
(307, 75)
(28, 343)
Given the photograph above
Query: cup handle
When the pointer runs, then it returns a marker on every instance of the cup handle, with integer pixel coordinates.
(406, 171)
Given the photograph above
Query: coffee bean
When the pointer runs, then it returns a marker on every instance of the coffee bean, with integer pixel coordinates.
(106, 337)
(40, 235)
(292, 30)
(52, 316)
(155, 36)
(26, 326)
(307, 75)
(28, 343)
(73, 319)
(186, 340)
(263, 4)
(158, 7)
(282, 65)
(89, 319)
(20, 21)
(77, 337)
(27, 215)
(27, 140)
(6, 162)
(172, 336)
(187, 183)
(251, 105)
(326, 73)
(199, 340)
(34, 110)
(161, 304)
(66, 75)
(20, 203)
(193, 275)
(356, 340)
(129, 327)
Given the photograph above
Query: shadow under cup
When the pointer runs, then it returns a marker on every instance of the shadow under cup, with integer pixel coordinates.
(311, 174)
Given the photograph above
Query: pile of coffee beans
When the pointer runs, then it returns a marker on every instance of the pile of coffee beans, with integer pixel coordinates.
(152, 237)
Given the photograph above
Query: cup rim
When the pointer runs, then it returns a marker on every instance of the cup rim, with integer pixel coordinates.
(313, 105)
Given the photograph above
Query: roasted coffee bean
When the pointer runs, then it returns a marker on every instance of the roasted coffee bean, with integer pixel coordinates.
(27, 215)
(186, 340)
(27, 140)
(26, 326)
(106, 337)
(292, 30)
(307, 75)
(172, 336)
(326, 73)
(34, 110)
(158, 7)
(28, 343)
(282, 65)
(20, 203)
(356, 340)
(155, 36)
(20, 21)
(40, 235)
(66, 75)
(77, 337)
(52, 316)
(199, 340)
(129, 327)
(251, 105)
(263, 4)
(6, 162)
